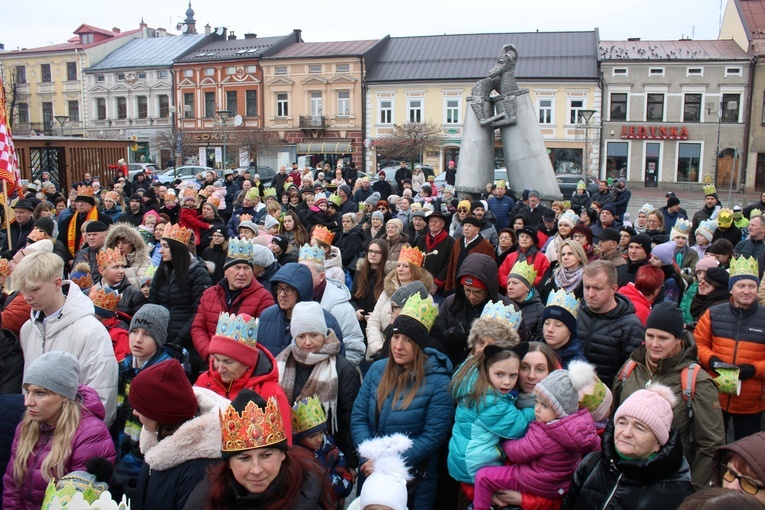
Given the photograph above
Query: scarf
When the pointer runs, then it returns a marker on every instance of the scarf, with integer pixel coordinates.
(323, 379)
(568, 279)
(431, 241)
(71, 234)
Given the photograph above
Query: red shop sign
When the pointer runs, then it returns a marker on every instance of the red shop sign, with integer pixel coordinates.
(655, 132)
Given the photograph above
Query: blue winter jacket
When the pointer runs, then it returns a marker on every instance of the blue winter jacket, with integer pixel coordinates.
(574, 350)
(274, 328)
(426, 421)
(501, 209)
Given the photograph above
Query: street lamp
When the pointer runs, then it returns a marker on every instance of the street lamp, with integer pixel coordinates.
(62, 119)
(584, 118)
(223, 115)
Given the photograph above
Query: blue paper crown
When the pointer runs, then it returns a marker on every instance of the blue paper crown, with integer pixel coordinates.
(241, 328)
(239, 249)
(568, 302)
(499, 311)
(310, 253)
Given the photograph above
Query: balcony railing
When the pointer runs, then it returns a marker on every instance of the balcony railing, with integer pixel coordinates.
(313, 122)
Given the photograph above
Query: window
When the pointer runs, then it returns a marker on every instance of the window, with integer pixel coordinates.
(415, 110)
(231, 70)
(343, 68)
(188, 105)
(618, 106)
(209, 71)
(616, 159)
(692, 108)
(45, 73)
(231, 105)
(101, 78)
(74, 111)
(619, 71)
(695, 71)
(210, 104)
(141, 76)
(688, 159)
(164, 106)
(316, 104)
(121, 108)
(763, 108)
(251, 103)
(732, 71)
(545, 111)
(162, 74)
(655, 107)
(280, 70)
(574, 105)
(121, 77)
(21, 74)
(86, 38)
(282, 105)
(452, 111)
(343, 103)
(655, 71)
(142, 105)
(188, 73)
(252, 69)
(314, 69)
(100, 108)
(24, 113)
(47, 111)
(386, 112)
(730, 108)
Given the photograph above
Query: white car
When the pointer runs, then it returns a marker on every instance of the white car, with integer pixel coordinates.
(184, 173)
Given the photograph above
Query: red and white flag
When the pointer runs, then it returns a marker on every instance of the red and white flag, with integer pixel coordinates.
(9, 165)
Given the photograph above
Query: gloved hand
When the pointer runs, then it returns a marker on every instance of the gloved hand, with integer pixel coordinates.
(714, 361)
(746, 371)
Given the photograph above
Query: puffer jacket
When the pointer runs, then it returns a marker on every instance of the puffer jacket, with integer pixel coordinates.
(546, 457)
(609, 338)
(336, 300)
(638, 300)
(333, 265)
(76, 331)
(572, 351)
(735, 336)
(707, 424)
(351, 246)
(252, 300)
(274, 328)
(532, 308)
(139, 261)
(91, 439)
(426, 421)
(15, 313)
(605, 481)
(501, 208)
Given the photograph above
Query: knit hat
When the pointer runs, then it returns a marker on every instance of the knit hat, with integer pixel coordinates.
(379, 215)
(665, 252)
(56, 371)
(475, 204)
(673, 201)
(666, 316)
(597, 398)
(45, 224)
(153, 319)
(163, 393)
(653, 407)
(280, 241)
(96, 226)
(560, 389)
(308, 317)
(415, 319)
(372, 199)
(464, 204)
(236, 337)
(473, 281)
(610, 208)
(644, 241)
(262, 256)
(534, 193)
(345, 188)
(386, 486)
(707, 229)
(707, 263)
(569, 218)
(525, 195)
(645, 209)
(396, 223)
(270, 221)
(717, 277)
(403, 293)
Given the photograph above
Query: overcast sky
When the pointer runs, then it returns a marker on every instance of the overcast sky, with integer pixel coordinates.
(32, 23)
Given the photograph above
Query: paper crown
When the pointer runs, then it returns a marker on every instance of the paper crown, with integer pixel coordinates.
(245, 217)
(105, 298)
(80, 491)
(709, 189)
(85, 191)
(334, 198)
(269, 192)
(498, 311)
(682, 228)
(423, 311)
(170, 195)
(252, 194)
(525, 270)
(113, 196)
(322, 233)
(189, 192)
(177, 233)
(412, 255)
(5, 268)
(240, 328)
(252, 428)
(78, 502)
(239, 249)
(725, 218)
(566, 205)
(754, 212)
(708, 225)
(214, 201)
(564, 300)
(307, 414)
(581, 185)
(744, 266)
(82, 279)
(310, 253)
(108, 257)
(501, 184)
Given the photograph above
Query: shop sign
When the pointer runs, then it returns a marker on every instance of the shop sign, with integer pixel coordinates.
(655, 132)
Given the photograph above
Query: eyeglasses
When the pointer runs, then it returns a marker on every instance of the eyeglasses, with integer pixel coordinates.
(374, 252)
(747, 484)
(286, 290)
(473, 292)
(463, 210)
(578, 236)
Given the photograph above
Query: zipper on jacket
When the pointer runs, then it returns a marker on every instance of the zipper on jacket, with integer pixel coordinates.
(613, 491)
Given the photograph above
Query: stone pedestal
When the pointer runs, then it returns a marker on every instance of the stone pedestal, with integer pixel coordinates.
(476, 168)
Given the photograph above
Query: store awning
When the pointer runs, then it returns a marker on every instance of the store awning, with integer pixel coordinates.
(325, 148)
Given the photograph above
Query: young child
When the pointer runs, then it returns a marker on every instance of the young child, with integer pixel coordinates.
(545, 459)
(484, 389)
(385, 488)
(497, 323)
(105, 301)
(188, 216)
(309, 430)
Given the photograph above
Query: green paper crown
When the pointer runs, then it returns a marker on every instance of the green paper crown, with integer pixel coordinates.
(307, 414)
(709, 189)
(269, 192)
(755, 212)
(501, 183)
(252, 194)
(525, 270)
(423, 311)
(744, 266)
(334, 198)
(581, 185)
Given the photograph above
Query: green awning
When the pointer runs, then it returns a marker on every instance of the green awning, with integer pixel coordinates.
(325, 148)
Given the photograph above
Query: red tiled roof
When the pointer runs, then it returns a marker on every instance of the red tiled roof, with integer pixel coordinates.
(754, 14)
(87, 29)
(325, 49)
(74, 42)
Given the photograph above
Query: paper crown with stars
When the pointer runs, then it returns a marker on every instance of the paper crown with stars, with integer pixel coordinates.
(310, 253)
(709, 189)
(253, 427)
(323, 234)
(108, 257)
(507, 314)
(744, 266)
(412, 255)
(177, 233)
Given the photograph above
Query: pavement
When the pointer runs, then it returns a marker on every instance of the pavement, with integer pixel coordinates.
(691, 201)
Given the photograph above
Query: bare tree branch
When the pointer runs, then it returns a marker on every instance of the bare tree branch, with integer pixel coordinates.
(410, 140)
(258, 142)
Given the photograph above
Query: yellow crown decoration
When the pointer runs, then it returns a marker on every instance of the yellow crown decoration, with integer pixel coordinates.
(562, 299)
(744, 266)
(214, 201)
(412, 255)
(524, 272)
(725, 218)
(105, 298)
(177, 233)
(322, 233)
(269, 192)
(240, 328)
(307, 414)
(189, 192)
(113, 196)
(252, 194)
(498, 311)
(79, 491)
(501, 184)
(170, 195)
(335, 199)
(252, 428)
(5, 268)
(581, 185)
(85, 191)
(109, 256)
(754, 212)
(566, 205)
(709, 189)
(423, 311)
(245, 217)
(310, 253)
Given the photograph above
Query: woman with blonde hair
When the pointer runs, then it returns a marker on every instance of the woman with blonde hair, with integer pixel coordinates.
(572, 261)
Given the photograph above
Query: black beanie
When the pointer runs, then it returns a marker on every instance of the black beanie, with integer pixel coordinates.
(717, 277)
(45, 224)
(644, 241)
(666, 316)
(412, 328)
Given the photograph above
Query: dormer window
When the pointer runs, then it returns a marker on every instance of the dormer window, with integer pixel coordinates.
(86, 38)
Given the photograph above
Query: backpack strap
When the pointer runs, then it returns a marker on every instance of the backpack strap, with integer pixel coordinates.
(688, 378)
(626, 370)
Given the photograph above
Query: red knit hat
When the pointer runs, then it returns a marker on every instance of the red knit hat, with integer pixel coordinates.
(163, 393)
(472, 281)
(236, 337)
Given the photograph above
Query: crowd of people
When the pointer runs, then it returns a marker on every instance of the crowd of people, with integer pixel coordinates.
(329, 340)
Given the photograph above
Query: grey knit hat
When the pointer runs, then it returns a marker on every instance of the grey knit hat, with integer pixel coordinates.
(372, 199)
(379, 215)
(404, 292)
(560, 389)
(270, 221)
(308, 317)
(56, 371)
(262, 256)
(153, 319)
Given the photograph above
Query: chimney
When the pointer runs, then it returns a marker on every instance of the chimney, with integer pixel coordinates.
(250, 36)
(142, 24)
(298, 35)
(231, 36)
(116, 30)
(161, 32)
(208, 29)
(633, 39)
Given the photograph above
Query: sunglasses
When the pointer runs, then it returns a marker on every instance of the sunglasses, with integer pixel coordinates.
(382, 208)
(463, 210)
(747, 484)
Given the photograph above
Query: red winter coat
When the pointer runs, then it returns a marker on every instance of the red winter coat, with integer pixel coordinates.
(642, 305)
(188, 218)
(15, 313)
(541, 264)
(119, 335)
(92, 439)
(252, 301)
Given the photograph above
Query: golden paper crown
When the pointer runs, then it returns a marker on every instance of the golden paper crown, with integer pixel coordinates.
(307, 414)
(104, 297)
(754, 212)
(5, 268)
(423, 311)
(189, 192)
(113, 196)
(170, 195)
(310, 253)
(322, 233)
(241, 328)
(109, 256)
(501, 184)
(269, 192)
(412, 255)
(85, 191)
(566, 205)
(245, 217)
(335, 199)
(498, 311)
(562, 299)
(725, 218)
(214, 201)
(252, 194)
(744, 266)
(525, 271)
(709, 189)
(252, 428)
(81, 279)
(177, 233)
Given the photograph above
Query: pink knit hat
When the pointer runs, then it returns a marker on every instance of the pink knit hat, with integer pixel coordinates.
(653, 407)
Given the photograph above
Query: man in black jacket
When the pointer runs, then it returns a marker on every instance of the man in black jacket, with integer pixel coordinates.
(20, 228)
(534, 210)
(135, 212)
(402, 173)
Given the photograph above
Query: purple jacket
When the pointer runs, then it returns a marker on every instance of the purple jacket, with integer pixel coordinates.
(547, 456)
(91, 439)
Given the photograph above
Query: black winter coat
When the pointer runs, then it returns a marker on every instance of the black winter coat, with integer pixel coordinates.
(605, 481)
(11, 364)
(216, 255)
(436, 263)
(131, 298)
(351, 245)
(532, 309)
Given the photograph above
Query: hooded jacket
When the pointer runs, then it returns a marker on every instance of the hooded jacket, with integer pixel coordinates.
(91, 439)
(138, 262)
(76, 331)
(609, 338)
(638, 300)
(532, 308)
(333, 265)
(477, 245)
(336, 300)
(351, 246)
(750, 448)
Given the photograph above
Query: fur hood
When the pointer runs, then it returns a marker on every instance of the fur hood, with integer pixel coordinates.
(392, 283)
(131, 235)
(198, 438)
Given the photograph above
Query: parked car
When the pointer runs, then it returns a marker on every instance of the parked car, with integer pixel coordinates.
(184, 173)
(148, 168)
(567, 184)
(390, 171)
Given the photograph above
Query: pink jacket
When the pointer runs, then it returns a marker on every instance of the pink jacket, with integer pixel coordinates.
(91, 439)
(547, 456)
